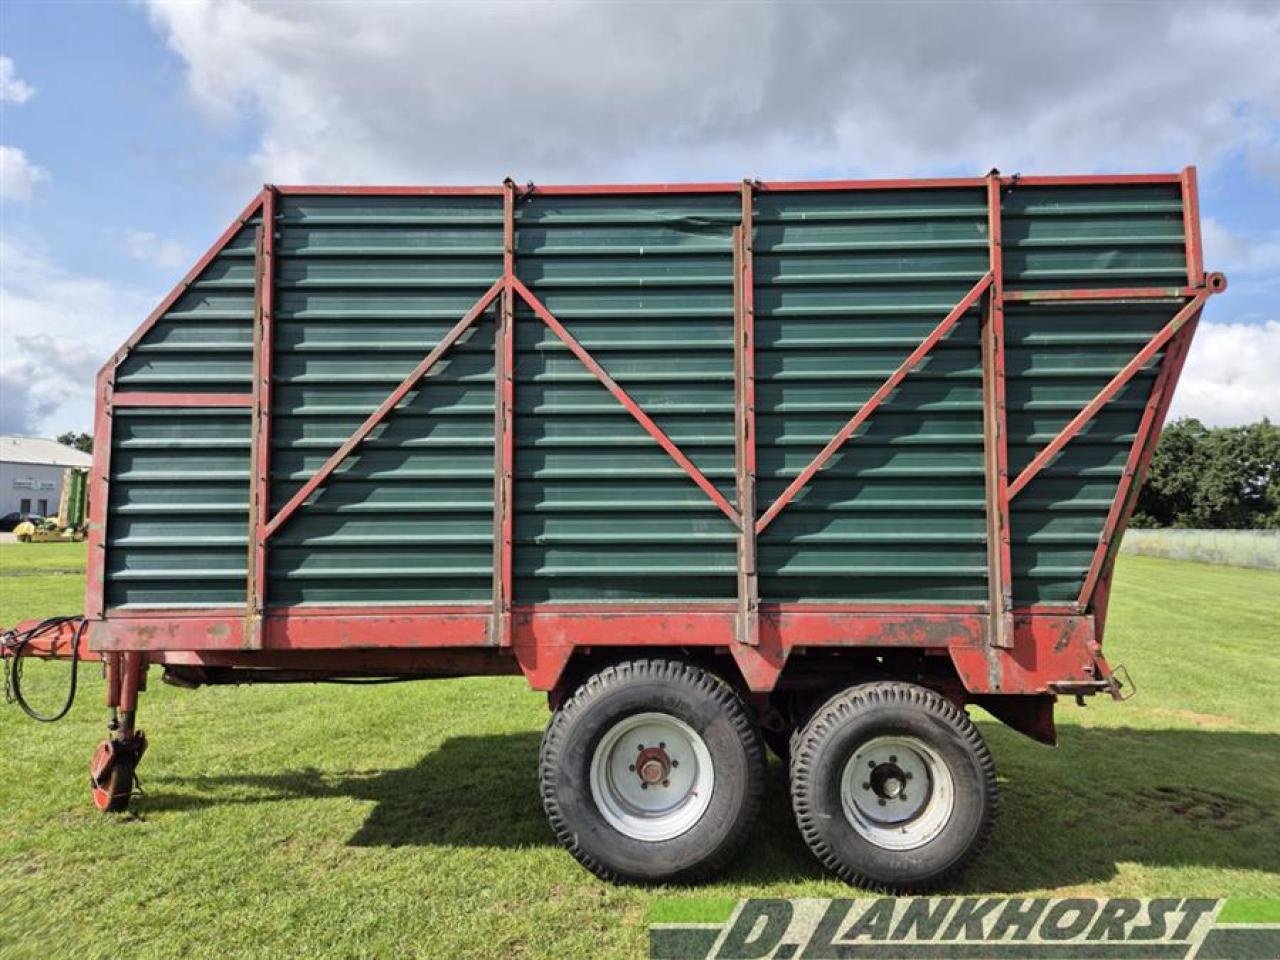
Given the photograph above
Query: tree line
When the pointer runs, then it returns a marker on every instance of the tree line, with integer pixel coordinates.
(77, 441)
(1225, 478)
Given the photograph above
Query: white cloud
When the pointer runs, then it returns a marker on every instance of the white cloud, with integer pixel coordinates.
(56, 329)
(157, 251)
(18, 175)
(12, 88)
(1232, 374)
(471, 92)
(1234, 253)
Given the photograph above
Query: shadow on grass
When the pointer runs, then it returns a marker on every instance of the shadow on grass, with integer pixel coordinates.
(1181, 798)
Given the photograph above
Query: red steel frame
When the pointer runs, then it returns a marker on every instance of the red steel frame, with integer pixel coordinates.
(995, 440)
(744, 417)
(260, 426)
(994, 647)
(504, 430)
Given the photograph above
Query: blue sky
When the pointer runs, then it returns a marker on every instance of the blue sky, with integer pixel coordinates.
(131, 133)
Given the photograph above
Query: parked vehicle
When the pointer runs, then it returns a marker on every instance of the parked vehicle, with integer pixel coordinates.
(9, 522)
(713, 465)
(69, 523)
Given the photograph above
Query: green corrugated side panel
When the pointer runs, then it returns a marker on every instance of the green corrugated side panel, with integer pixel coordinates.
(1059, 356)
(848, 283)
(178, 501)
(178, 507)
(1109, 235)
(365, 287)
(204, 342)
(645, 283)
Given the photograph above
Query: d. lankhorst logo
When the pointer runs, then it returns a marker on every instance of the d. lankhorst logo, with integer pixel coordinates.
(975, 928)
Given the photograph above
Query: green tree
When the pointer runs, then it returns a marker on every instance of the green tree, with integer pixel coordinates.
(81, 441)
(1213, 478)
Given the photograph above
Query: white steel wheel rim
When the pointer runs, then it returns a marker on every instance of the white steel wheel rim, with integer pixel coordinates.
(897, 792)
(651, 777)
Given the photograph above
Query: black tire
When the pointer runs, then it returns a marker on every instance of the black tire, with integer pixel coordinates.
(119, 788)
(699, 699)
(851, 721)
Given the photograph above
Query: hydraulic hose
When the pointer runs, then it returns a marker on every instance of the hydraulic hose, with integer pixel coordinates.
(15, 646)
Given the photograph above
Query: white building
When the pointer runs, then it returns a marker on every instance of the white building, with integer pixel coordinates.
(31, 472)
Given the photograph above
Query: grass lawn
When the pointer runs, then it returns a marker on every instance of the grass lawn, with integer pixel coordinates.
(404, 820)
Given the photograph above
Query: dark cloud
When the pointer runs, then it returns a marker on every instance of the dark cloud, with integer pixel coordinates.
(24, 403)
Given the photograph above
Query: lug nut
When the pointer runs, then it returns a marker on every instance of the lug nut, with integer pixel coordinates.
(907, 774)
(632, 768)
(675, 763)
(662, 746)
(666, 783)
(902, 796)
(639, 746)
(892, 758)
(643, 785)
(865, 785)
(882, 801)
(871, 764)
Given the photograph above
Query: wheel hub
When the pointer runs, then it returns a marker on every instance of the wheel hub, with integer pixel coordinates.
(888, 781)
(897, 792)
(653, 765)
(651, 776)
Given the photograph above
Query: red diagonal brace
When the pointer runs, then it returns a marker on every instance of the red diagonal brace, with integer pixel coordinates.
(624, 398)
(1144, 442)
(877, 398)
(1140, 360)
(384, 408)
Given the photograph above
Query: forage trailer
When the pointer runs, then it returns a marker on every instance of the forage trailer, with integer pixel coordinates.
(816, 465)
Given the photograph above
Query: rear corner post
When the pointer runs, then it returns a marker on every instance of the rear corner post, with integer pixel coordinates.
(1191, 227)
(504, 428)
(995, 440)
(99, 490)
(260, 423)
(747, 624)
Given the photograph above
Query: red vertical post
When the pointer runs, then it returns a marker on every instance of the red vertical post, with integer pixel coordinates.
(112, 667)
(744, 427)
(133, 673)
(260, 426)
(95, 594)
(1191, 227)
(504, 428)
(995, 440)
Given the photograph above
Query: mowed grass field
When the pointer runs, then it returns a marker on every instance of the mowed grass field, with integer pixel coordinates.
(403, 820)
